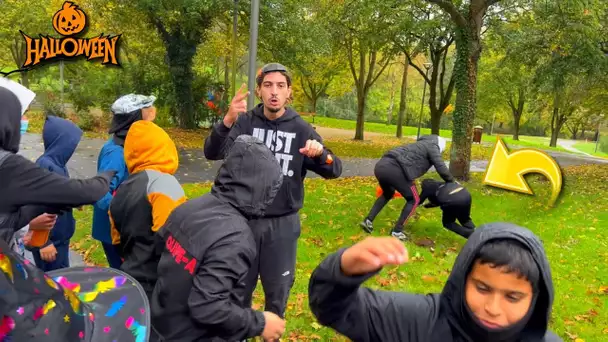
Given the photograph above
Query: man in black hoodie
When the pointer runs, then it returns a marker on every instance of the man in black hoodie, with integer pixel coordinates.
(500, 289)
(455, 203)
(209, 248)
(28, 190)
(398, 169)
(298, 148)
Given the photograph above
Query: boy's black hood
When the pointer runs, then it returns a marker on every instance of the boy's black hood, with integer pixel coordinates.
(249, 178)
(453, 294)
(10, 121)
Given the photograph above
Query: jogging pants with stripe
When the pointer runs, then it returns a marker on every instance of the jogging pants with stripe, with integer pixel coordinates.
(275, 264)
(391, 178)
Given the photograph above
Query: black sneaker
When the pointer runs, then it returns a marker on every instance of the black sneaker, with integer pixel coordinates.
(367, 225)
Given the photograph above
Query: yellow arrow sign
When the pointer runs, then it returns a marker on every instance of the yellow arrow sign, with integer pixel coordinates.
(507, 171)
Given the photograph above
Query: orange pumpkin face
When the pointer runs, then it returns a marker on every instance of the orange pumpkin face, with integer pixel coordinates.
(69, 20)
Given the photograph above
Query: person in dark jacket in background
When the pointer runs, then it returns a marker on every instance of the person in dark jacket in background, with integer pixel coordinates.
(500, 289)
(143, 202)
(398, 169)
(126, 110)
(28, 190)
(60, 138)
(209, 249)
(454, 201)
(298, 148)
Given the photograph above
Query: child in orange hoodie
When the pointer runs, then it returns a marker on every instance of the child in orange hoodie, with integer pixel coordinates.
(144, 200)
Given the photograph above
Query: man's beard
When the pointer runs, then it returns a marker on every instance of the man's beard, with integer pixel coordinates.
(274, 110)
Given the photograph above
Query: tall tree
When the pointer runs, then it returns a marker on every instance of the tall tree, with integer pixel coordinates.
(468, 21)
(356, 26)
(182, 26)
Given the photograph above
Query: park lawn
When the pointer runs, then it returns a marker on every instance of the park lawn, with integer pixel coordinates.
(408, 131)
(572, 234)
(589, 147)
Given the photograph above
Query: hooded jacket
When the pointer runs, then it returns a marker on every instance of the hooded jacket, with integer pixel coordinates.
(444, 195)
(363, 314)
(417, 158)
(60, 138)
(28, 190)
(209, 249)
(143, 202)
(284, 136)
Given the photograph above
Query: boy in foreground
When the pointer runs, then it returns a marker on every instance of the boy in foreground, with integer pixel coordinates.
(500, 289)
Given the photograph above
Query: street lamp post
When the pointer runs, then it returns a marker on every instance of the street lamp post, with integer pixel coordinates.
(428, 67)
(253, 51)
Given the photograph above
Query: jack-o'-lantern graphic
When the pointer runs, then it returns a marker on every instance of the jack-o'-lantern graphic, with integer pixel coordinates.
(69, 20)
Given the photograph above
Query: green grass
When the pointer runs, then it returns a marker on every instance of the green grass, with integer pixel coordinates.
(589, 147)
(525, 141)
(572, 233)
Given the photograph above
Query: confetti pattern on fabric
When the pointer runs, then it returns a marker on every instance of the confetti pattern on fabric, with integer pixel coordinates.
(137, 329)
(48, 306)
(6, 326)
(6, 267)
(67, 285)
(106, 329)
(101, 287)
(22, 270)
(20, 310)
(116, 306)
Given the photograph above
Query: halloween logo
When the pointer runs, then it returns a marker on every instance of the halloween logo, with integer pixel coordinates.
(69, 21)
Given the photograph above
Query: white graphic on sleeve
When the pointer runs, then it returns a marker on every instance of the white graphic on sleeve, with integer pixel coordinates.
(280, 143)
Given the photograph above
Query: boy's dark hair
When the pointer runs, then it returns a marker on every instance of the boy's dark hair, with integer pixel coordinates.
(512, 256)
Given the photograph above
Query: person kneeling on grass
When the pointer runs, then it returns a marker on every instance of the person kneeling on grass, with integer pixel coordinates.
(210, 247)
(455, 202)
(500, 289)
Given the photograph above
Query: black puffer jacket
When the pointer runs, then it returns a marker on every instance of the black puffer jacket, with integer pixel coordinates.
(209, 248)
(416, 159)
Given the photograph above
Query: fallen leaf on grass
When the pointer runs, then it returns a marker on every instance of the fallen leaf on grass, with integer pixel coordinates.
(603, 290)
(425, 242)
(429, 279)
(315, 325)
(571, 336)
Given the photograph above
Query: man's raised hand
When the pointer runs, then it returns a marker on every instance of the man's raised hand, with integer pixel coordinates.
(237, 105)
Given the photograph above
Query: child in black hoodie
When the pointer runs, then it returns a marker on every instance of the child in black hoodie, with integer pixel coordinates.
(298, 148)
(500, 289)
(208, 250)
(454, 201)
(28, 190)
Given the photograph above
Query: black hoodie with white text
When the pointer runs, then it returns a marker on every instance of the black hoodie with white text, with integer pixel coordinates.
(284, 136)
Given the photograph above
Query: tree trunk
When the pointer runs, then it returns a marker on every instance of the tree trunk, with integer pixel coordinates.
(180, 54)
(227, 73)
(313, 103)
(361, 99)
(516, 121)
(435, 121)
(554, 125)
(402, 100)
(468, 51)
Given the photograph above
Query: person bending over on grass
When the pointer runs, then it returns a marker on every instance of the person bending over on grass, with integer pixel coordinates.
(209, 248)
(398, 169)
(455, 203)
(299, 149)
(500, 289)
